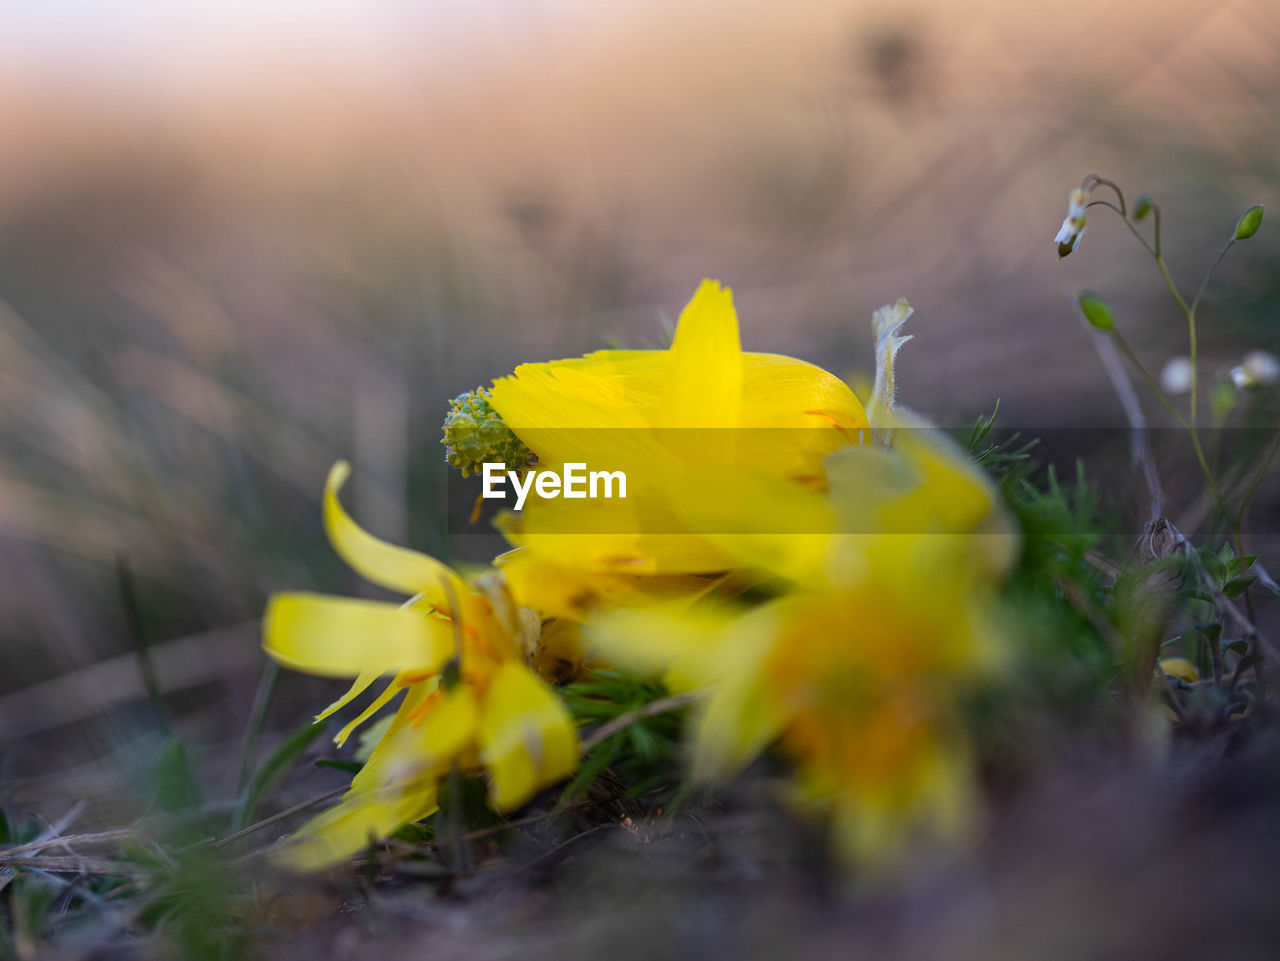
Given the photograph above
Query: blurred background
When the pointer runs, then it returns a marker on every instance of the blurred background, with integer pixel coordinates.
(240, 241)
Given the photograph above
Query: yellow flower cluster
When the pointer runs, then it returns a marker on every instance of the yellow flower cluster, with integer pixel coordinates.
(471, 701)
(878, 544)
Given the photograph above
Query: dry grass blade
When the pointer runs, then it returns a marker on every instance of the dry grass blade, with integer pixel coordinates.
(70, 840)
(663, 705)
(73, 864)
(287, 812)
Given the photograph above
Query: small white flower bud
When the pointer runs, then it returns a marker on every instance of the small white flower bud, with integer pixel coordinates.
(1176, 377)
(1239, 378)
(1261, 367)
(1072, 229)
(1077, 201)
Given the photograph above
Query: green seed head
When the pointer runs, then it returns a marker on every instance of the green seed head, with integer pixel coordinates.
(1249, 223)
(475, 434)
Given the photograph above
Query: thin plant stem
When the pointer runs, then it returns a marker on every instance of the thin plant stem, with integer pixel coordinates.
(459, 851)
(662, 705)
(1195, 301)
(287, 812)
(141, 638)
(1190, 428)
(1188, 310)
(1258, 478)
(1154, 250)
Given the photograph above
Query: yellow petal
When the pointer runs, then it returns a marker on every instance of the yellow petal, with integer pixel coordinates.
(527, 739)
(781, 391)
(344, 637)
(1180, 668)
(392, 567)
(686, 646)
(558, 532)
(371, 736)
(704, 384)
(581, 395)
(360, 685)
(924, 485)
(739, 720)
(378, 703)
(377, 772)
(565, 590)
(436, 736)
(352, 826)
(617, 390)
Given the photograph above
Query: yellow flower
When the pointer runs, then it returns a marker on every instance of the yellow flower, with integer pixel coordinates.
(459, 656)
(667, 418)
(858, 683)
(856, 670)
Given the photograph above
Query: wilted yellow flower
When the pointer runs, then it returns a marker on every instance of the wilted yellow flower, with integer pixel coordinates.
(459, 656)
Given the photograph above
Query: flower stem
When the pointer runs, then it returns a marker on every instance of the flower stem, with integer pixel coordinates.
(1190, 313)
(1258, 478)
(1187, 425)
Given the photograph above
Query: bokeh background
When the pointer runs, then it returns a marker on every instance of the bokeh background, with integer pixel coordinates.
(240, 241)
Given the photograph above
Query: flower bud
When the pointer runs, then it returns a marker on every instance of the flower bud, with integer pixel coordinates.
(1141, 206)
(475, 434)
(1096, 311)
(1260, 368)
(1175, 378)
(1222, 399)
(1249, 223)
(1072, 229)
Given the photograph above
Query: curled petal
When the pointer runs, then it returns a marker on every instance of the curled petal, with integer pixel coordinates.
(358, 687)
(378, 703)
(395, 568)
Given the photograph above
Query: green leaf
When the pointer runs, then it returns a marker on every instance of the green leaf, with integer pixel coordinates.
(1237, 586)
(281, 761)
(1249, 223)
(1211, 631)
(1241, 564)
(642, 739)
(174, 786)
